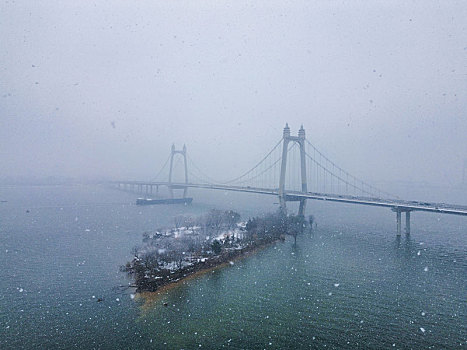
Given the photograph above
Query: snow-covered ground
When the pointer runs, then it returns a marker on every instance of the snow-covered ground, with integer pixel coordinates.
(236, 232)
(175, 248)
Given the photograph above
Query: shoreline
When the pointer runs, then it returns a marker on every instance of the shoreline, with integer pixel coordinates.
(148, 288)
(151, 297)
(195, 246)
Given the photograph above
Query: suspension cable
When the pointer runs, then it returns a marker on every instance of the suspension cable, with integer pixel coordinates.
(206, 177)
(269, 167)
(347, 173)
(160, 171)
(362, 189)
(241, 176)
(258, 164)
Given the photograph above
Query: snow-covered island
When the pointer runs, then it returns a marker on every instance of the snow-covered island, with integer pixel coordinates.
(194, 244)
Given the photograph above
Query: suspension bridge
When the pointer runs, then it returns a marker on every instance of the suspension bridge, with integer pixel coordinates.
(293, 170)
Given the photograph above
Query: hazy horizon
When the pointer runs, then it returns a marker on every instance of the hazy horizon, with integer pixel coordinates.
(90, 90)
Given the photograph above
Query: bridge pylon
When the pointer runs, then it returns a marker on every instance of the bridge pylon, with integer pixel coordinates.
(300, 139)
(173, 152)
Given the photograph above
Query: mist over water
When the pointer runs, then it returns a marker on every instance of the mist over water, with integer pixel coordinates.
(349, 284)
(97, 91)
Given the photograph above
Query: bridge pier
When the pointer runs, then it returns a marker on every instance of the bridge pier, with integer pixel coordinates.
(399, 219)
(301, 208)
(407, 222)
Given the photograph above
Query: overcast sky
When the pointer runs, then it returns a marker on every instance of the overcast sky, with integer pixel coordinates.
(103, 88)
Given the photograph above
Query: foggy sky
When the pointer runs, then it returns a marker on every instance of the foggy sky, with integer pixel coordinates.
(104, 88)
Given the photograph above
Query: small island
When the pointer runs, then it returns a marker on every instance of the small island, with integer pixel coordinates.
(195, 244)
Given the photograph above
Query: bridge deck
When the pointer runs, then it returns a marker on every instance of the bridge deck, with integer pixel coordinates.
(395, 204)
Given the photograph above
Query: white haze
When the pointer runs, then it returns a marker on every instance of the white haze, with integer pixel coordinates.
(94, 89)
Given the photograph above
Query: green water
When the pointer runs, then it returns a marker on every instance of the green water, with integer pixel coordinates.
(350, 284)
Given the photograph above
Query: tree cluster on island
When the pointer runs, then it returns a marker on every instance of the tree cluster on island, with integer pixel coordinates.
(197, 243)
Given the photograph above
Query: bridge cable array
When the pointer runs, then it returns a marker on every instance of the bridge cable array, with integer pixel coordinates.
(161, 170)
(338, 177)
(322, 174)
(253, 173)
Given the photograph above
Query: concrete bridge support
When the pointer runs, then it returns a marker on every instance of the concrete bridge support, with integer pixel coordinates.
(407, 222)
(398, 219)
(399, 212)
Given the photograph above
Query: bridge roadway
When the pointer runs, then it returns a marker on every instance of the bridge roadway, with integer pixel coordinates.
(396, 205)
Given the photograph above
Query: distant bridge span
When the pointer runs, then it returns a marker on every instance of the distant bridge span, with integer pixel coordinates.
(319, 172)
(396, 205)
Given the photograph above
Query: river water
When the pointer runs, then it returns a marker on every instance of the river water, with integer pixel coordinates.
(349, 284)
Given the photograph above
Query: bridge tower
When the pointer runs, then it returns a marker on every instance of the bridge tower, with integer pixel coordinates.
(300, 139)
(173, 152)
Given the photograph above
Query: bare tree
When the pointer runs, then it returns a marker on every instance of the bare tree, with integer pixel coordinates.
(231, 218)
(215, 220)
(190, 223)
(178, 221)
